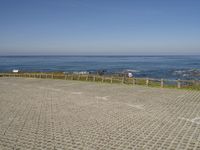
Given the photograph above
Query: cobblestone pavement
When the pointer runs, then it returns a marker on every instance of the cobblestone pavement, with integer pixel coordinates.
(43, 114)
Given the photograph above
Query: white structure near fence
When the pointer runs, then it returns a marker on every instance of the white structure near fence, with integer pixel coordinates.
(130, 74)
(15, 70)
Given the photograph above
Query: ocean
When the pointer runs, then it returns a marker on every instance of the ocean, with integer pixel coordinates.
(166, 67)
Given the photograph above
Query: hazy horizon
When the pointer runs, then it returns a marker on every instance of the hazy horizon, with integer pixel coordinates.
(97, 55)
(91, 27)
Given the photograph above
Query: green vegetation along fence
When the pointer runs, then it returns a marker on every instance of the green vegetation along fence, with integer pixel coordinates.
(186, 84)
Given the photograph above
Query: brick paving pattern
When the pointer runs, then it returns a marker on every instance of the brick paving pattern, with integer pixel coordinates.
(44, 114)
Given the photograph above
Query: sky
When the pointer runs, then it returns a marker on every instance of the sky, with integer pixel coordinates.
(99, 27)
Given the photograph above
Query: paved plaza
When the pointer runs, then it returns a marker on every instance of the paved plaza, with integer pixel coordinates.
(45, 114)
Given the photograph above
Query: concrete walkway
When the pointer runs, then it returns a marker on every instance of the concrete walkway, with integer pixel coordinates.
(48, 114)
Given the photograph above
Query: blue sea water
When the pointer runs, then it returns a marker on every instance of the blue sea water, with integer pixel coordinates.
(167, 67)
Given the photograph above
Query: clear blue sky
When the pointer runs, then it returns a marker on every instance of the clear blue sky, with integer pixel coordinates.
(99, 27)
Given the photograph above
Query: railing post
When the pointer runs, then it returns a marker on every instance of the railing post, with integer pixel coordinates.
(179, 83)
(102, 78)
(111, 80)
(65, 77)
(78, 76)
(87, 77)
(72, 77)
(122, 80)
(147, 81)
(94, 78)
(134, 82)
(161, 83)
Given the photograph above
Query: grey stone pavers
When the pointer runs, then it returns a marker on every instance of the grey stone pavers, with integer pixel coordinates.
(45, 114)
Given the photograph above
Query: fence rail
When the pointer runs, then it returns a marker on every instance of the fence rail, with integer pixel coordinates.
(189, 84)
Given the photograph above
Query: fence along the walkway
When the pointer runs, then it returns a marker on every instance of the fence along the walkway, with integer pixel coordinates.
(191, 84)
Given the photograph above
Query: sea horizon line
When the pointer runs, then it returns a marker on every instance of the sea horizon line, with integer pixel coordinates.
(109, 55)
